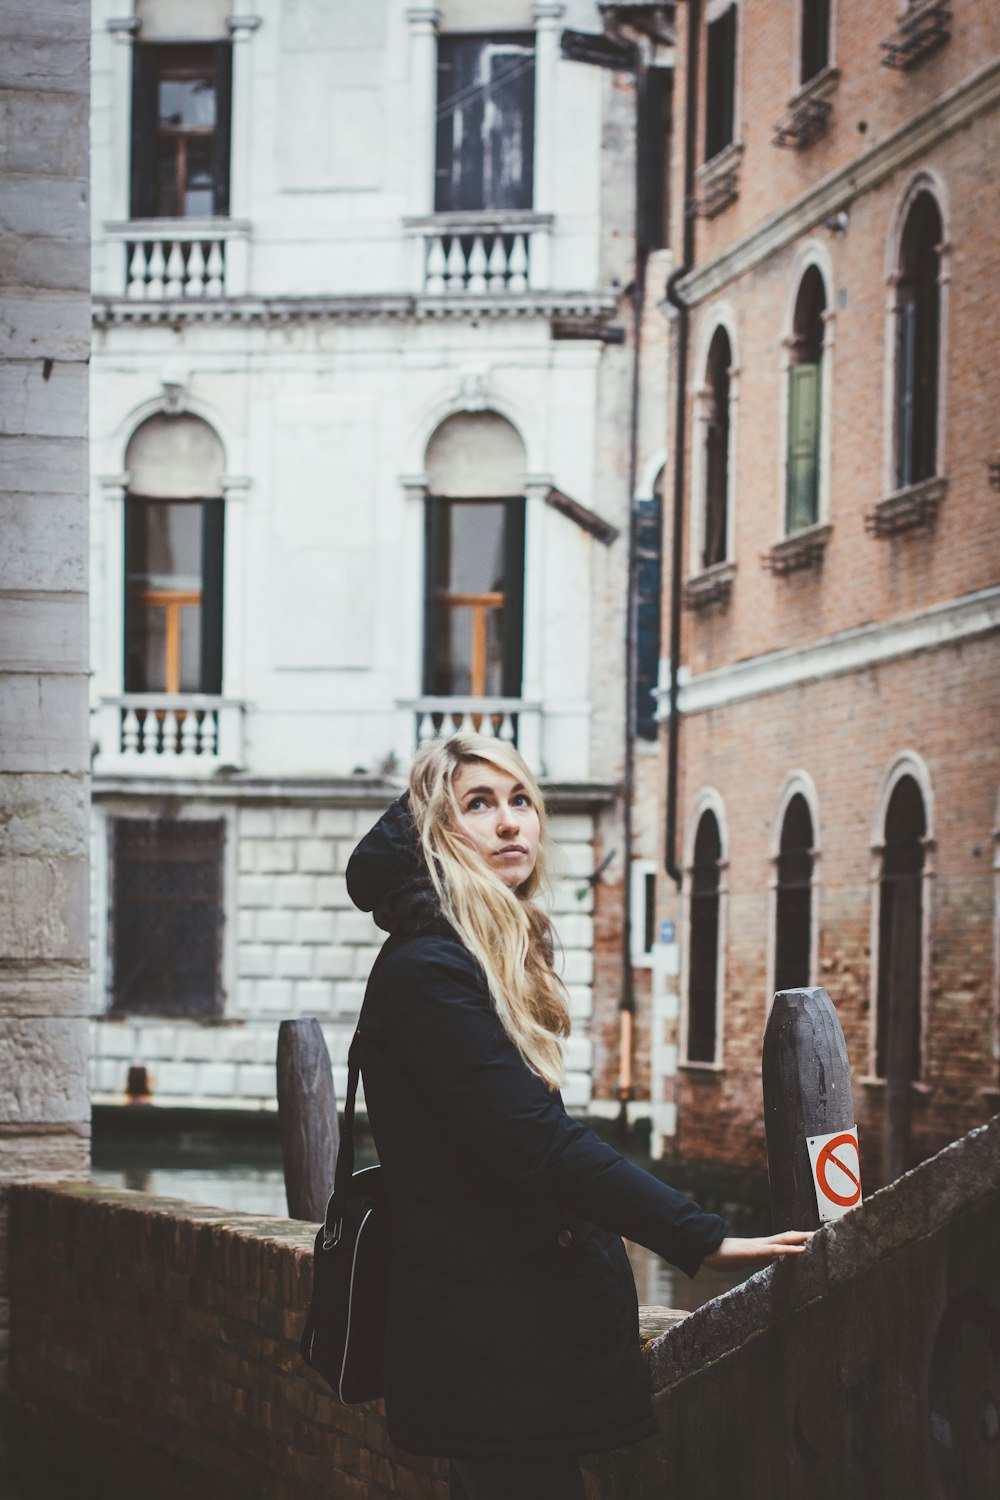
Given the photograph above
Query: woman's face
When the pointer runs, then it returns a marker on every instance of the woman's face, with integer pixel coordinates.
(497, 816)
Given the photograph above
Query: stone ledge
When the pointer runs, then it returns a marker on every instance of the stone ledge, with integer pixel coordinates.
(794, 554)
(718, 182)
(809, 112)
(915, 1206)
(914, 508)
(710, 589)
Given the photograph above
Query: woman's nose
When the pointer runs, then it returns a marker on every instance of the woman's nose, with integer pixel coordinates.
(506, 820)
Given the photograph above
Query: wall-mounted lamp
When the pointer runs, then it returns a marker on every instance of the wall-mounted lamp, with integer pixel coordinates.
(837, 223)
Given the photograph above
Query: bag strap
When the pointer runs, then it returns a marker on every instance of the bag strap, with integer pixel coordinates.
(345, 1151)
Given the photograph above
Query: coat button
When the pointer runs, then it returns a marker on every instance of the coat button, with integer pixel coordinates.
(565, 1238)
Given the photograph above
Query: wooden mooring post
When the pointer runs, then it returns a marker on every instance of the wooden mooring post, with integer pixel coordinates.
(307, 1118)
(807, 1094)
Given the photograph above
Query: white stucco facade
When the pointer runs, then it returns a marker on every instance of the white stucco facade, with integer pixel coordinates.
(324, 329)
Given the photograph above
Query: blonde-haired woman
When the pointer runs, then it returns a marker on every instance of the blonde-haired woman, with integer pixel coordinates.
(512, 1341)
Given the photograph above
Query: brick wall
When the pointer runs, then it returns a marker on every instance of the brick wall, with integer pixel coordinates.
(155, 1350)
(845, 732)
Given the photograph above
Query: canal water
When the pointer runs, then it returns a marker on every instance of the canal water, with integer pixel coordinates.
(243, 1173)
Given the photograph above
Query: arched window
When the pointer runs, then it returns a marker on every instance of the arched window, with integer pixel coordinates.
(802, 459)
(703, 959)
(918, 339)
(793, 914)
(898, 1038)
(174, 524)
(474, 558)
(715, 545)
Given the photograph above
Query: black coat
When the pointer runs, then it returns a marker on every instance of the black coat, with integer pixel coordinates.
(512, 1321)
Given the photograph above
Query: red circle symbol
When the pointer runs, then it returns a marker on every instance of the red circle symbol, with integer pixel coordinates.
(828, 1158)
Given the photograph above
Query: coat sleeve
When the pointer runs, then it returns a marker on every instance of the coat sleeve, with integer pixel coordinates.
(442, 1028)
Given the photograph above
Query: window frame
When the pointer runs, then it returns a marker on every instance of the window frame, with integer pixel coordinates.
(226, 956)
(708, 802)
(923, 180)
(798, 783)
(714, 13)
(811, 255)
(643, 870)
(907, 763)
(514, 549)
(148, 61)
(210, 599)
(524, 39)
(721, 316)
(799, 83)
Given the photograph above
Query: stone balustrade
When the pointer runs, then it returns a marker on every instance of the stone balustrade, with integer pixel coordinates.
(179, 259)
(482, 254)
(165, 733)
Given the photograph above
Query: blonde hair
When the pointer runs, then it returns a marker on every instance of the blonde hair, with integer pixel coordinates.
(509, 936)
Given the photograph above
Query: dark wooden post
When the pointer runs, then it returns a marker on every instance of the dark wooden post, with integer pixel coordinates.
(807, 1091)
(307, 1118)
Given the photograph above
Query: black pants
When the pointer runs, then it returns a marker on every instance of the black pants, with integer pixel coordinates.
(553, 1478)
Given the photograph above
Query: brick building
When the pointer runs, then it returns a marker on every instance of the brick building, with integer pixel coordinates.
(836, 690)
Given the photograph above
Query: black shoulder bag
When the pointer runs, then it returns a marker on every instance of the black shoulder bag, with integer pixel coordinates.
(344, 1336)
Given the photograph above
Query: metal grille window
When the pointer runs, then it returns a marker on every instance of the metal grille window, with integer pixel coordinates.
(703, 964)
(918, 341)
(716, 534)
(181, 100)
(720, 93)
(167, 916)
(475, 571)
(485, 135)
(900, 933)
(802, 460)
(793, 935)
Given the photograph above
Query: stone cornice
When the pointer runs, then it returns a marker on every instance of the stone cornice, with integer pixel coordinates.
(949, 113)
(116, 311)
(849, 651)
(360, 791)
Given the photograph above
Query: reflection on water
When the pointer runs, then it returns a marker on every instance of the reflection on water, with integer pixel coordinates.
(245, 1175)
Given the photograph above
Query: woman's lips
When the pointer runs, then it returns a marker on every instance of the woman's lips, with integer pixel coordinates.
(514, 849)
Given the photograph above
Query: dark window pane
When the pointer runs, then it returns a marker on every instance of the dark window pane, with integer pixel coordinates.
(815, 37)
(485, 139)
(918, 334)
(720, 99)
(187, 102)
(717, 451)
(703, 967)
(794, 903)
(649, 913)
(167, 916)
(900, 927)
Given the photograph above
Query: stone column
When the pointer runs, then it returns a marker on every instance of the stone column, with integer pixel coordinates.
(44, 749)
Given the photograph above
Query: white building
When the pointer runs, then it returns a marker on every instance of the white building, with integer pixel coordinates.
(353, 276)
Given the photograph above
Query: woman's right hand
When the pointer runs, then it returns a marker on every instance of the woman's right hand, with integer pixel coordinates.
(734, 1253)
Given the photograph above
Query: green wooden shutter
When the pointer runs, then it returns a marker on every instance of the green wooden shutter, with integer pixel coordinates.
(905, 382)
(802, 482)
(213, 514)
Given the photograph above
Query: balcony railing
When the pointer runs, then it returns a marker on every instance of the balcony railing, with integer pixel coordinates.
(511, 720)
(158, 734)
(178, 259)
(482, 253)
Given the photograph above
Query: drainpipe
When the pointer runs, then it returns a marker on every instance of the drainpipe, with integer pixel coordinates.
(680, 429)
(626, 1013)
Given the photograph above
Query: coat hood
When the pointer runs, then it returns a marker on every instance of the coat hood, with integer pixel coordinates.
(387, 874)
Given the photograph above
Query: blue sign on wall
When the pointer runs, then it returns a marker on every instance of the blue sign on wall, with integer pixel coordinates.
(666, 932)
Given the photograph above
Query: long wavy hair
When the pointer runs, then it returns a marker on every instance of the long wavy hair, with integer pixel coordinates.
(506, 932)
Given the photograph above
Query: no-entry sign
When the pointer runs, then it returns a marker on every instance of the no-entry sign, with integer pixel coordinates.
(836, 1167)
